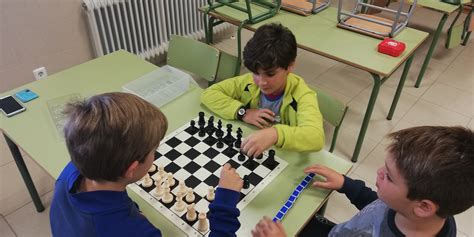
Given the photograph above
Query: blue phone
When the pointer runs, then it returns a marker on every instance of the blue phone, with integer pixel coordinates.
(26, 95)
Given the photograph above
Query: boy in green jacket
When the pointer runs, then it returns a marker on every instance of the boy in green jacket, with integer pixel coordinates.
(271, 97)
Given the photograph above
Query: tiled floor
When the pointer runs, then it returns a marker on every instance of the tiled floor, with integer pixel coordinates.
(445, 98)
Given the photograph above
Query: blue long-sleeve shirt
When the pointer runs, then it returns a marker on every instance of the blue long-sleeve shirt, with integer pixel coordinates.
(375, 217)
(113, 213)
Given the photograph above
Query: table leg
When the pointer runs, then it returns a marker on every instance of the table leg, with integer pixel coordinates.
(400, 87)
(20, 163)
(239, 47)
(431, 49)
(368, 114)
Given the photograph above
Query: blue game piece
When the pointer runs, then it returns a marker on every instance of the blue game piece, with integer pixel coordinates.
(284, 209)
(292, 198)
(296, 193)
(280, 215)
(299, 188)
(288, 204)
(304, 183)
(308, 178)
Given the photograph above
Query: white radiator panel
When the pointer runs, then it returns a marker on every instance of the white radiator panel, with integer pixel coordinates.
(143, 27)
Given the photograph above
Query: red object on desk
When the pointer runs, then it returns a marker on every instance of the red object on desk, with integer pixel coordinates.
(391, 47)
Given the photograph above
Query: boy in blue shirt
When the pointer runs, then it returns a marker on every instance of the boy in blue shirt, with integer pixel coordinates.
(427, 179)
(111, 139)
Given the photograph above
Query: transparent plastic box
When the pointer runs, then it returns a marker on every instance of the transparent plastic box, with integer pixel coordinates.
(160, 86)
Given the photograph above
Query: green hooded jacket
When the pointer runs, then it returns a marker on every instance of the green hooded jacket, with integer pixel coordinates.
(301, 127)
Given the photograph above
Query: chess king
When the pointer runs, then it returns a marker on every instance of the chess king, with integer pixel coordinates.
(271, 97)
(111, 139)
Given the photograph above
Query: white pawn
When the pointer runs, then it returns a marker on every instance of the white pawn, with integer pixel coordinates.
(203, 226)
(159, 187)
(191, 214)
(170, 179)
(190, 196)
(210, 195)
(167, 196)
(180, 204)
(152, 168)
(161, 172)
(182, 187)
(147, 181)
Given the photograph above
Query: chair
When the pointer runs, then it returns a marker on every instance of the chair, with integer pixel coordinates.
(200, 59)
(333, 112)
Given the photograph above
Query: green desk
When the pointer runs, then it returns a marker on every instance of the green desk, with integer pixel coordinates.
(319, 34)
(35, 133)
(446, 9)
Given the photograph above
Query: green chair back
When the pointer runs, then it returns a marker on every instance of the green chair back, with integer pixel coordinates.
(333, 112)
(193, 56)
(227, 67)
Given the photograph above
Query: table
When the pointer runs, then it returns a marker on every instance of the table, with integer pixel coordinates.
(446, 9)
(318, 34)
(34, 131)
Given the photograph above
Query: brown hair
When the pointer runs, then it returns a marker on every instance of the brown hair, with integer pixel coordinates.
(437, 164)
(106, 133)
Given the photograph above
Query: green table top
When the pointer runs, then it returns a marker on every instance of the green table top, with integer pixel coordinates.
(34, 132)
(319, 33)
(438, 5)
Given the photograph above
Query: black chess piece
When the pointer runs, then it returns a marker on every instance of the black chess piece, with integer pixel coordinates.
(271, 156)
(210, 126)
(238, 142)
(192, 129)
(241, 156)
(260, 157)
(229, 139)
(201, 120)
(202, 130)
(219, 132)
(246, 182)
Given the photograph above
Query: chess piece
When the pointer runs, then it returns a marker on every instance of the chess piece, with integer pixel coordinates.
(241, 156)
(182, 187)
(169, 178)
(260, 157)
(219, 132)
(203, 226)
(147, 181)
(210, 194)
(180, 204)
(238, 142)
(271, 157)
(191, 214)
(159, 190)
(161, 172)
(201, 120)
(229, 139)
(190, 195)
(167, 196)
(210, 126)
(246, 182)
(202, 130)
(192, 128)
(152, 168)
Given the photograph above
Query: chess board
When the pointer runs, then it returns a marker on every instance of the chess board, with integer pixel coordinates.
(198, 162)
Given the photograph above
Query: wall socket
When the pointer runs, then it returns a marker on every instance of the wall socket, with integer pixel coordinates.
(40, 73)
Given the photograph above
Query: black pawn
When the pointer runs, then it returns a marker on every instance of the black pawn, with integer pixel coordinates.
(260, 157)
(271, 156)
(246, 182)
(241, 156)
(219, 144)
(201, 120)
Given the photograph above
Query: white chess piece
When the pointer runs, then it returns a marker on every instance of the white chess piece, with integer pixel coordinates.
(190, 195)
(152, 168)
(191, 214)
(203, 226)
(161, 172)
(180, 204)
(170, 179)
(182, 187)
(159, 187)
(147, 181)
(210, 194)
(167, 196)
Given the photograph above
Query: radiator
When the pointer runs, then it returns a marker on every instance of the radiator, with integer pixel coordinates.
(143, 27)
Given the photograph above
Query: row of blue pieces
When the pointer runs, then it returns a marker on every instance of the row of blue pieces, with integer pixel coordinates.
(292, 199)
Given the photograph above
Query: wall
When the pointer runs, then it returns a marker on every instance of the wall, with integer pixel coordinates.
(35, 33)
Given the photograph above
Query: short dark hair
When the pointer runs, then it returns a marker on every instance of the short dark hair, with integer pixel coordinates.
(106, 133)
(272, 46)
(437, 164)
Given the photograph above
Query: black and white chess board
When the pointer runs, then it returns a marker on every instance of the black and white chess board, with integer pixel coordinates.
(197, 160)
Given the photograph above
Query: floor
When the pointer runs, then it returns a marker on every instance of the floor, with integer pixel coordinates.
(444, 98)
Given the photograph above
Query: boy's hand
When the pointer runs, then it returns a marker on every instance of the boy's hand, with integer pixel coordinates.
(334, 180)
(262, 118)
(259, 141)
(267, 227)
(230, 179)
